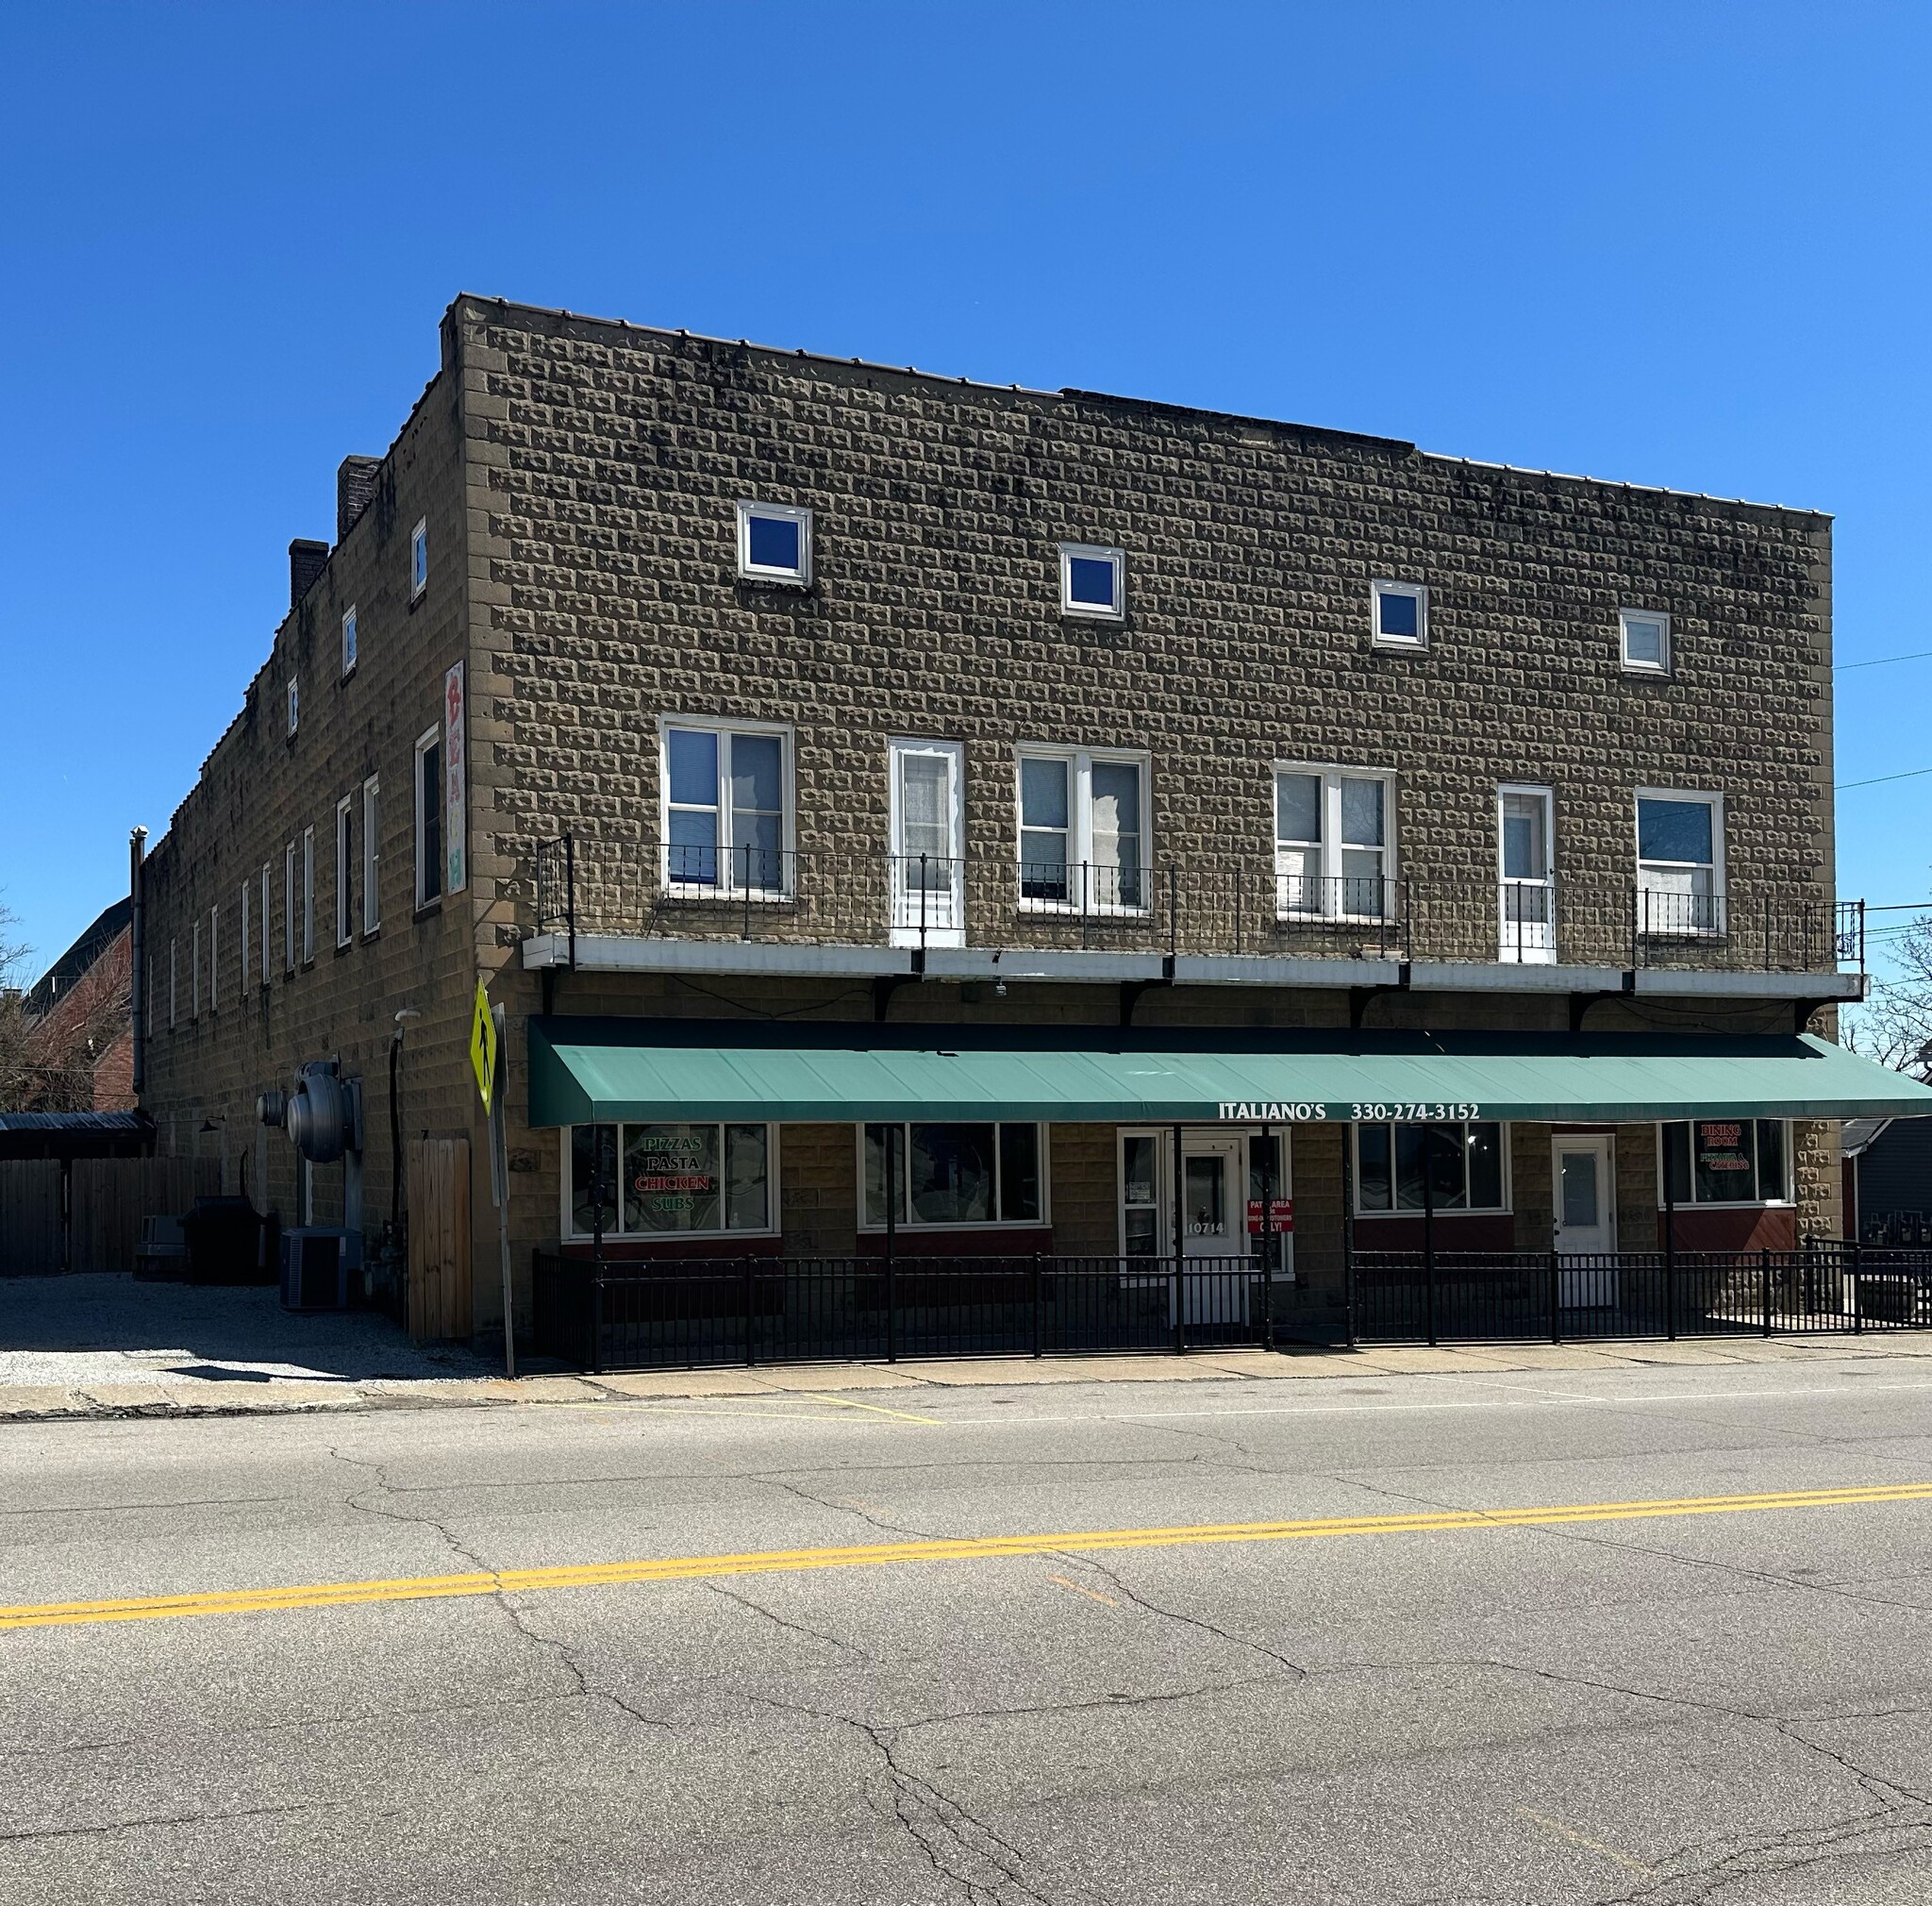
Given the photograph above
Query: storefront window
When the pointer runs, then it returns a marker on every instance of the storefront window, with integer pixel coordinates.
(1140, 1194)
(955, 1173)
(1727, 1161)
(670, 1179)
(1463, 1164)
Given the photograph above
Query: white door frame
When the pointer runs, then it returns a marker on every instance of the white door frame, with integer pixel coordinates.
(1527, 942)
(944, 908)
(1594, 1287)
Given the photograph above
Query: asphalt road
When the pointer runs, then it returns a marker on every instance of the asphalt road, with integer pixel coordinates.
(1724, 1705)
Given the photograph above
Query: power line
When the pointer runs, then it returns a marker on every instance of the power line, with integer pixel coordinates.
(1909, 775)
(1880, 660)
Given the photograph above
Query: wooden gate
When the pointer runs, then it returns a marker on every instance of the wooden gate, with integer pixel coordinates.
(439, 1304)
(32, 1233)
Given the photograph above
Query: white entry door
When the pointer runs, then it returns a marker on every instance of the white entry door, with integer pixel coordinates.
(1585, 1214)
(928, 844)
(1528, 891)
(1214, 1228)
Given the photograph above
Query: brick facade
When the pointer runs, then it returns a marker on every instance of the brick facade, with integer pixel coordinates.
(578, 477)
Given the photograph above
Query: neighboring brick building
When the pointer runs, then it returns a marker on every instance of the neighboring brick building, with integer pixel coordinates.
(80, 1037)
(1004, 708)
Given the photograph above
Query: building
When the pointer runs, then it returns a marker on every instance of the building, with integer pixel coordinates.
(77, 1024)
(903, 813)
(1888, 1181)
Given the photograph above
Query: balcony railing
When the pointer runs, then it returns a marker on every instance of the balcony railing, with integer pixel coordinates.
(1213, 904)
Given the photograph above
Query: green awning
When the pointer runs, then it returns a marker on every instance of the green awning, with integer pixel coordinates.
(583, 1071)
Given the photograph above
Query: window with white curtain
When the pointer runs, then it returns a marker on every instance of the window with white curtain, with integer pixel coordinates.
(1083, 835)
(1333, 844)
(726, 808)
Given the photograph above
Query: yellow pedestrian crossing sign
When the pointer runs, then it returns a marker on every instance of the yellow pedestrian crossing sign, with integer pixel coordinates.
(483, 1045)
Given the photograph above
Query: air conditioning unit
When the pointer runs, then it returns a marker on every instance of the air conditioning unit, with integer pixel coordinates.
(316, 1261)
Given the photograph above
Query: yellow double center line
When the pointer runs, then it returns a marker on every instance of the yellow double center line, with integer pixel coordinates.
(963, 1549)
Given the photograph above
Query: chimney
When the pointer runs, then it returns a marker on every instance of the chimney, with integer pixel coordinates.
(354, 486)
(306, 561)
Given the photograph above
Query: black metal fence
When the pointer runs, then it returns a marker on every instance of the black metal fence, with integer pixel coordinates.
(584, 883)
(1473, 1297)
(692, 1312)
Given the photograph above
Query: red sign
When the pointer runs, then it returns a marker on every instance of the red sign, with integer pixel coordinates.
(1283, 1214)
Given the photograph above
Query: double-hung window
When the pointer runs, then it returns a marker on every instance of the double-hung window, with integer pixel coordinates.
(308, 894)
(371, 847)
(1455, 1168)
(1400, 614)
(726, 808)
(671, 1180)
(1525, 860)
(773, 544)
(1680, 849)
(1727, 1161)
(1333, 849)
(428, 782)
(1093, 581)
(288, 908)
(345, 870)
(1084, 833)
(952, 1174)
(266, 956)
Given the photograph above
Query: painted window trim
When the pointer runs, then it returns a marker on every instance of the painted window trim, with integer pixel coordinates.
(1115, 558)
(419, 571)
(345, 872)
(1787, 1203)
(428, 738)
(1331, 844)
(195, 972)
(214, 960)
(1163, 1207)
(772, 1176)
(749, 571)
(288, 908)
(1540, 792)
(727, 887)
(351, 635)
(1624, 618)
(1080, 821)
(1414, 1212)
(294, 702)
(1718, 887)
(267, 926)
(1043, 1222)
(1419, 593)
(308, 897)
(372, 858)
(906, 926)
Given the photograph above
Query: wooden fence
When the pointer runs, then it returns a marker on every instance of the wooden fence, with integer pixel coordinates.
(439, 1304)
(86, 1216)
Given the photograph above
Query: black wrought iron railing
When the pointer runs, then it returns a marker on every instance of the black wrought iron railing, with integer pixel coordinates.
(586, 884)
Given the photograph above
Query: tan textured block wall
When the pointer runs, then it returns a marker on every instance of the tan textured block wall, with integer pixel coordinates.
(1084, 1167)
(819, 1190)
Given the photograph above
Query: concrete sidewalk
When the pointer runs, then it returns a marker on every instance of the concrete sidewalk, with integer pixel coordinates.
(215, 1392)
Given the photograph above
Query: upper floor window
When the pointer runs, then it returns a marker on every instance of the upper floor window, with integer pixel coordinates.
(289, 907)
(1679, 861)
(308, 894)
(1410, 1167)
(954, 1175)
(419, 559)
(773, 542)
(1727, 1161)
(294, 704)
(669, 1180)
(1083, 830)
(345, 870)
(726, 806)
(372, 848)
(1093, 581)
(1333, 853)
(349, 640)
(428, 816)
(1401, 612)
(1645, 640)
(266, 956)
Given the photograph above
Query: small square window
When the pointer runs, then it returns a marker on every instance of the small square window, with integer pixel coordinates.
(1401, 615)
(773, 542)
(294, 704)
(1093, 581)
(1646, 640)
(419, 559)
(349, 640)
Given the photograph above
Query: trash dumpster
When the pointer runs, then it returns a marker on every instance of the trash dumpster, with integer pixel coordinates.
(225, 1243)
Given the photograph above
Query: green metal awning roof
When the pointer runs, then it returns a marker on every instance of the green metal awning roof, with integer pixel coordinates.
(586, 1070)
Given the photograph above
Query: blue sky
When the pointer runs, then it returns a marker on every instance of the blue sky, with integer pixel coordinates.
(1668, 243)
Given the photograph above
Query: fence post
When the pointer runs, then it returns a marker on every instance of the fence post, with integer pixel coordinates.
(892, 1133)
(1429, 1232)
(1267, 1236)
(1556, 1295)
(1180, 1220)
(570, 892)
(1039, 1281)
(922, 902)
(744, 882)
(1348, 1232)
(1764, 1286)
(750, 1299)
(1670, 1238)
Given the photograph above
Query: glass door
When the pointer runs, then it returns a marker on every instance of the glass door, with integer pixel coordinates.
(928, 870)
(1586, 1228)
(1528, 899)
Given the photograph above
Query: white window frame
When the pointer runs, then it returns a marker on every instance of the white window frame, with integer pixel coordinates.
(1081, 763)
(1521, 941)
(1686, 929)
(1416, 592)
(419, 559)
(1632, 666)
(267, 896)
(1281, 1191)
(426, 862)
(349, 633)
(345, 872)
(214, 959)
(372, 858)
(247, 945)
(726, 885)
(784, 512)
(937, 915)
(774, 1221)
(1414, 1212)
(1333, 889)
(1693, 1203)
(1043, 1222)
(294, 703)
(308, 897)
(1093, 552)
(195, 972)
(288, 908)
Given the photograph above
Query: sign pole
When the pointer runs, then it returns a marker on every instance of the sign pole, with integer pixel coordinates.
(499, 1164)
